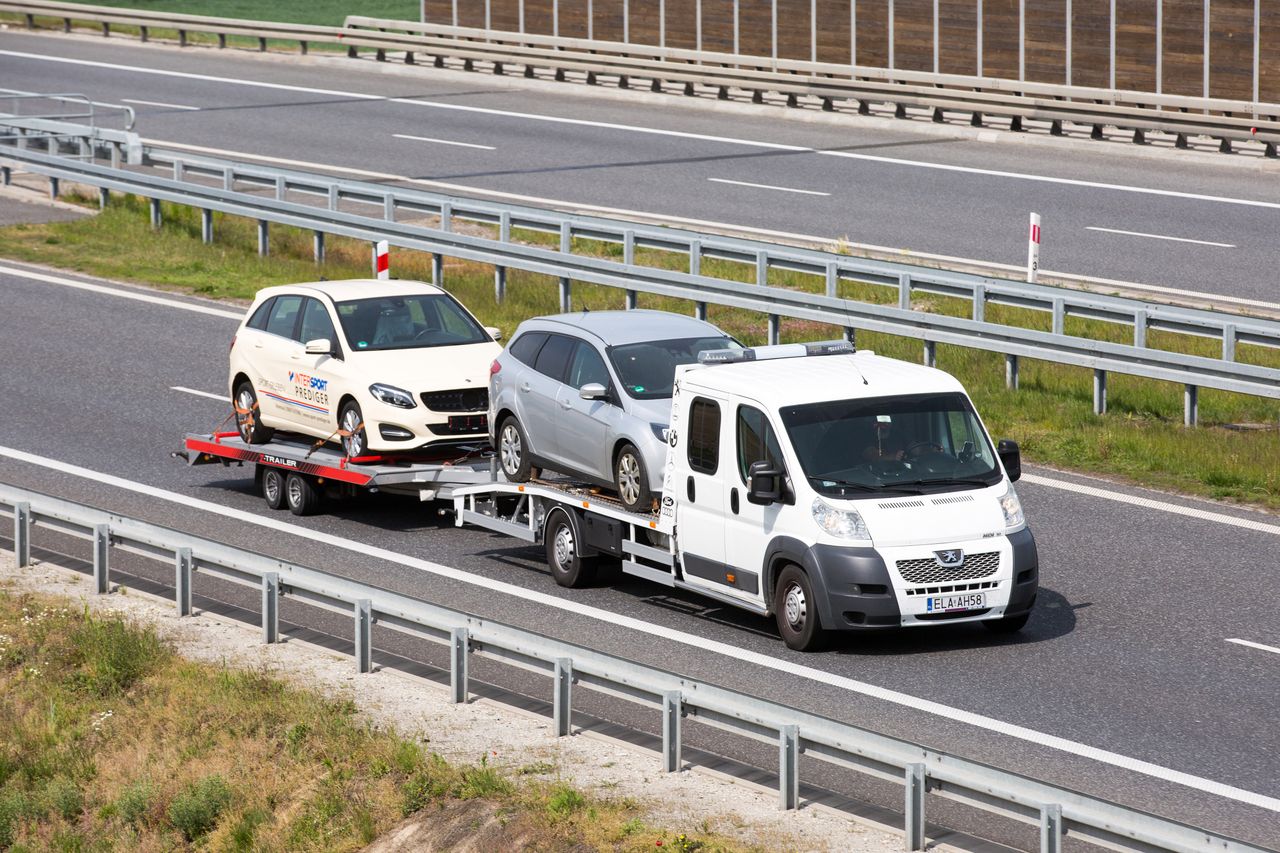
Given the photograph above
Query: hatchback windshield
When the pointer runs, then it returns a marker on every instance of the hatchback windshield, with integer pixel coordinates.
(648, 369)
(899, 445)
(407, 322)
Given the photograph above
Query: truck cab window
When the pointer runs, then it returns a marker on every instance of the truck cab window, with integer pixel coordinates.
(756, 441)
(704, 435)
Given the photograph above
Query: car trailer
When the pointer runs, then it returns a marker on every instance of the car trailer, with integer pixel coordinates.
(298, 474)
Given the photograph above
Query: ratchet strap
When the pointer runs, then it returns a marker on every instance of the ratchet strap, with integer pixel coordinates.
(339, 432)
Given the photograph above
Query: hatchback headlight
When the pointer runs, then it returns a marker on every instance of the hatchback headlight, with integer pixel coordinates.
(392, 396)
(845, 523)
(1012, 509)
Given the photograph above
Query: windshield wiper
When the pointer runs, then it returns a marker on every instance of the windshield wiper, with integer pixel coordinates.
(945, 481)
(866, 487)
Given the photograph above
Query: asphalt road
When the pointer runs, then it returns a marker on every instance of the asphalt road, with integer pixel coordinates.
(1197, 223)
(1127, 651)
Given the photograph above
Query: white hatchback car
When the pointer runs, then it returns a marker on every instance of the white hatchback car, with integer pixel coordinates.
(399, 366)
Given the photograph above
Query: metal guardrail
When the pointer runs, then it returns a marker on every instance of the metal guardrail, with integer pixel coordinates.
(939, 94)
(1058, 812)
(237, 190)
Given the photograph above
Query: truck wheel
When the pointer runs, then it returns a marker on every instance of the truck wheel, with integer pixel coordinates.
(632, 480)
(1007, 624)
(301, 495)
(249, 425)
(796, 611)
(568, 566)
(273, 487)
(513, 451)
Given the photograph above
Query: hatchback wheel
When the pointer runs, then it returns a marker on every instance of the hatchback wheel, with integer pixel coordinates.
(355, 439)
(249, 416)
(632, 480)
(513, 451)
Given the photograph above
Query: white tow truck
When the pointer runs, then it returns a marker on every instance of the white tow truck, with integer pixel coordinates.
(832, 489)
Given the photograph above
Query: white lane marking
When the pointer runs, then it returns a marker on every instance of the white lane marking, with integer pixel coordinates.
(906, 254)
(1159, 237)
(1150, 503)
(728, 140)
(443, 141)
(733, 652)
(158, 104)
(222, 398)
(765, 186)
(1254, 645)
(123, 294)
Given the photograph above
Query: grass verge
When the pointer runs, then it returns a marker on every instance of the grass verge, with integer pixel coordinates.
(109, 741)
(1235, 455)
(319, 12)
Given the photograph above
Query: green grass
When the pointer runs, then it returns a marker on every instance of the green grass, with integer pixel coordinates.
(110, 741)
(321, 12)
(1235, 455)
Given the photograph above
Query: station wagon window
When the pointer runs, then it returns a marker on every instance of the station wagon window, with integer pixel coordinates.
(284, 316)
(587, 367)
(704, 435)
(756, 441)
(525, 348)
(316, 323)
(554, 357)
(259, 318)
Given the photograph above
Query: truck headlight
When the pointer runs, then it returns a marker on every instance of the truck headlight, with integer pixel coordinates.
(392, 396)
(1012, 509)
(845, 523)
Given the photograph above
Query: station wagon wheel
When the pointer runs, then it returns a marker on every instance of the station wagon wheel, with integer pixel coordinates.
(632, 480)
(273, 487)
(513, 452)
(795, 609)
(568, 566)
(301, 494)
(249, 416)
(352, 421)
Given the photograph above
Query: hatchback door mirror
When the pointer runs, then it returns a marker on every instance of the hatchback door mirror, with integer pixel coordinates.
(494, 332)
(765, 483)
(1010, 457)
(320, 346)
(593, 391)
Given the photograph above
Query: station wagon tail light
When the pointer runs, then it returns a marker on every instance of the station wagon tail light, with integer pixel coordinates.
(495, 367)
(844, 523)
(1012, 509)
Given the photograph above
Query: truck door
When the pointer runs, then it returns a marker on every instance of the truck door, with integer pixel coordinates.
(749, 527)
(700, 507)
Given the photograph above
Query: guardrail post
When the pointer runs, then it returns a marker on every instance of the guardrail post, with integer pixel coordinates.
(762, 268)
(1099, 392)
(459, 644)
(930, 353)
(364, 635)
(914, 812)
(182, 564)
(104, 197)
(1051, 828)
(851, 335)
(980, 303)
(1140, 328)
(101, 558)
(264, 243)
(499, 284)
(833, 280)
(562, 706)
(695, 268)
(1190, 405)
(157, 217)
(206, 226)
(1229, 342)
(6, 175)
(672, 711)
(437, 269)
(789, 767)
(1011, 372)
(446, 216)
(317, 246)
(775, 329)
(53, 187)
(271, 608)
(566, 295)
(904, 291)
(1059, 316)
(629, 259)
(22, 534)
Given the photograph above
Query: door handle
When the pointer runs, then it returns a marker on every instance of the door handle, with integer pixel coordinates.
(525, 386)
(688, 487)
(733, 500)
(566, 403)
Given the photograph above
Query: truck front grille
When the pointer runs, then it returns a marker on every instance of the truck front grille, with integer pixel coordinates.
(927, 571)
(457, 400)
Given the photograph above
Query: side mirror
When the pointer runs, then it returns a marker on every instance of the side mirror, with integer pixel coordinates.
(764, 484)
(494, 332)
(1010, 457)
(320, 346)
(593, 391)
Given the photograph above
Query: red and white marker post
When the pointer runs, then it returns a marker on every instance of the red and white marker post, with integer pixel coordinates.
(1033, 248)
(381, 260)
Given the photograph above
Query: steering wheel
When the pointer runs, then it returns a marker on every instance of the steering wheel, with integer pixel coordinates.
(918, 448)
(422, 334)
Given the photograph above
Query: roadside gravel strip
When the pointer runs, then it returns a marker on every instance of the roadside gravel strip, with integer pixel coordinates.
(509, 737)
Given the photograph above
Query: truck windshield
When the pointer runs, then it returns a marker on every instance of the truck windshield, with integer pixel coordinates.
(910, 444)
(407, 322)
(647, 369)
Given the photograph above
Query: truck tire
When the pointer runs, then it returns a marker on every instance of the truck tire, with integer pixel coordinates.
(632, 480)
(513, 451)
(1007, 624)
(301, 495)
(568, 566)
(273, 487)
(250, 425)
(796, 611)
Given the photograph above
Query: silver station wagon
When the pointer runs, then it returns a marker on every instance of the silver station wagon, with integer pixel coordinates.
(589, 395)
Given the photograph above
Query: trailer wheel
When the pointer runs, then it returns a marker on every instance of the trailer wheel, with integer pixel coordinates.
(568, 566)
(796, 611)
(301, 495)
(249, 416)
(273, 487)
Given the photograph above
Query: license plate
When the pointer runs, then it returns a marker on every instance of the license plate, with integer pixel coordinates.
(469, 423)
(952, 603)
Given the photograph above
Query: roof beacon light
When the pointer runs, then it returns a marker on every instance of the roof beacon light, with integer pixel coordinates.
(828, 348)
(725, 356)
(776, 351)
